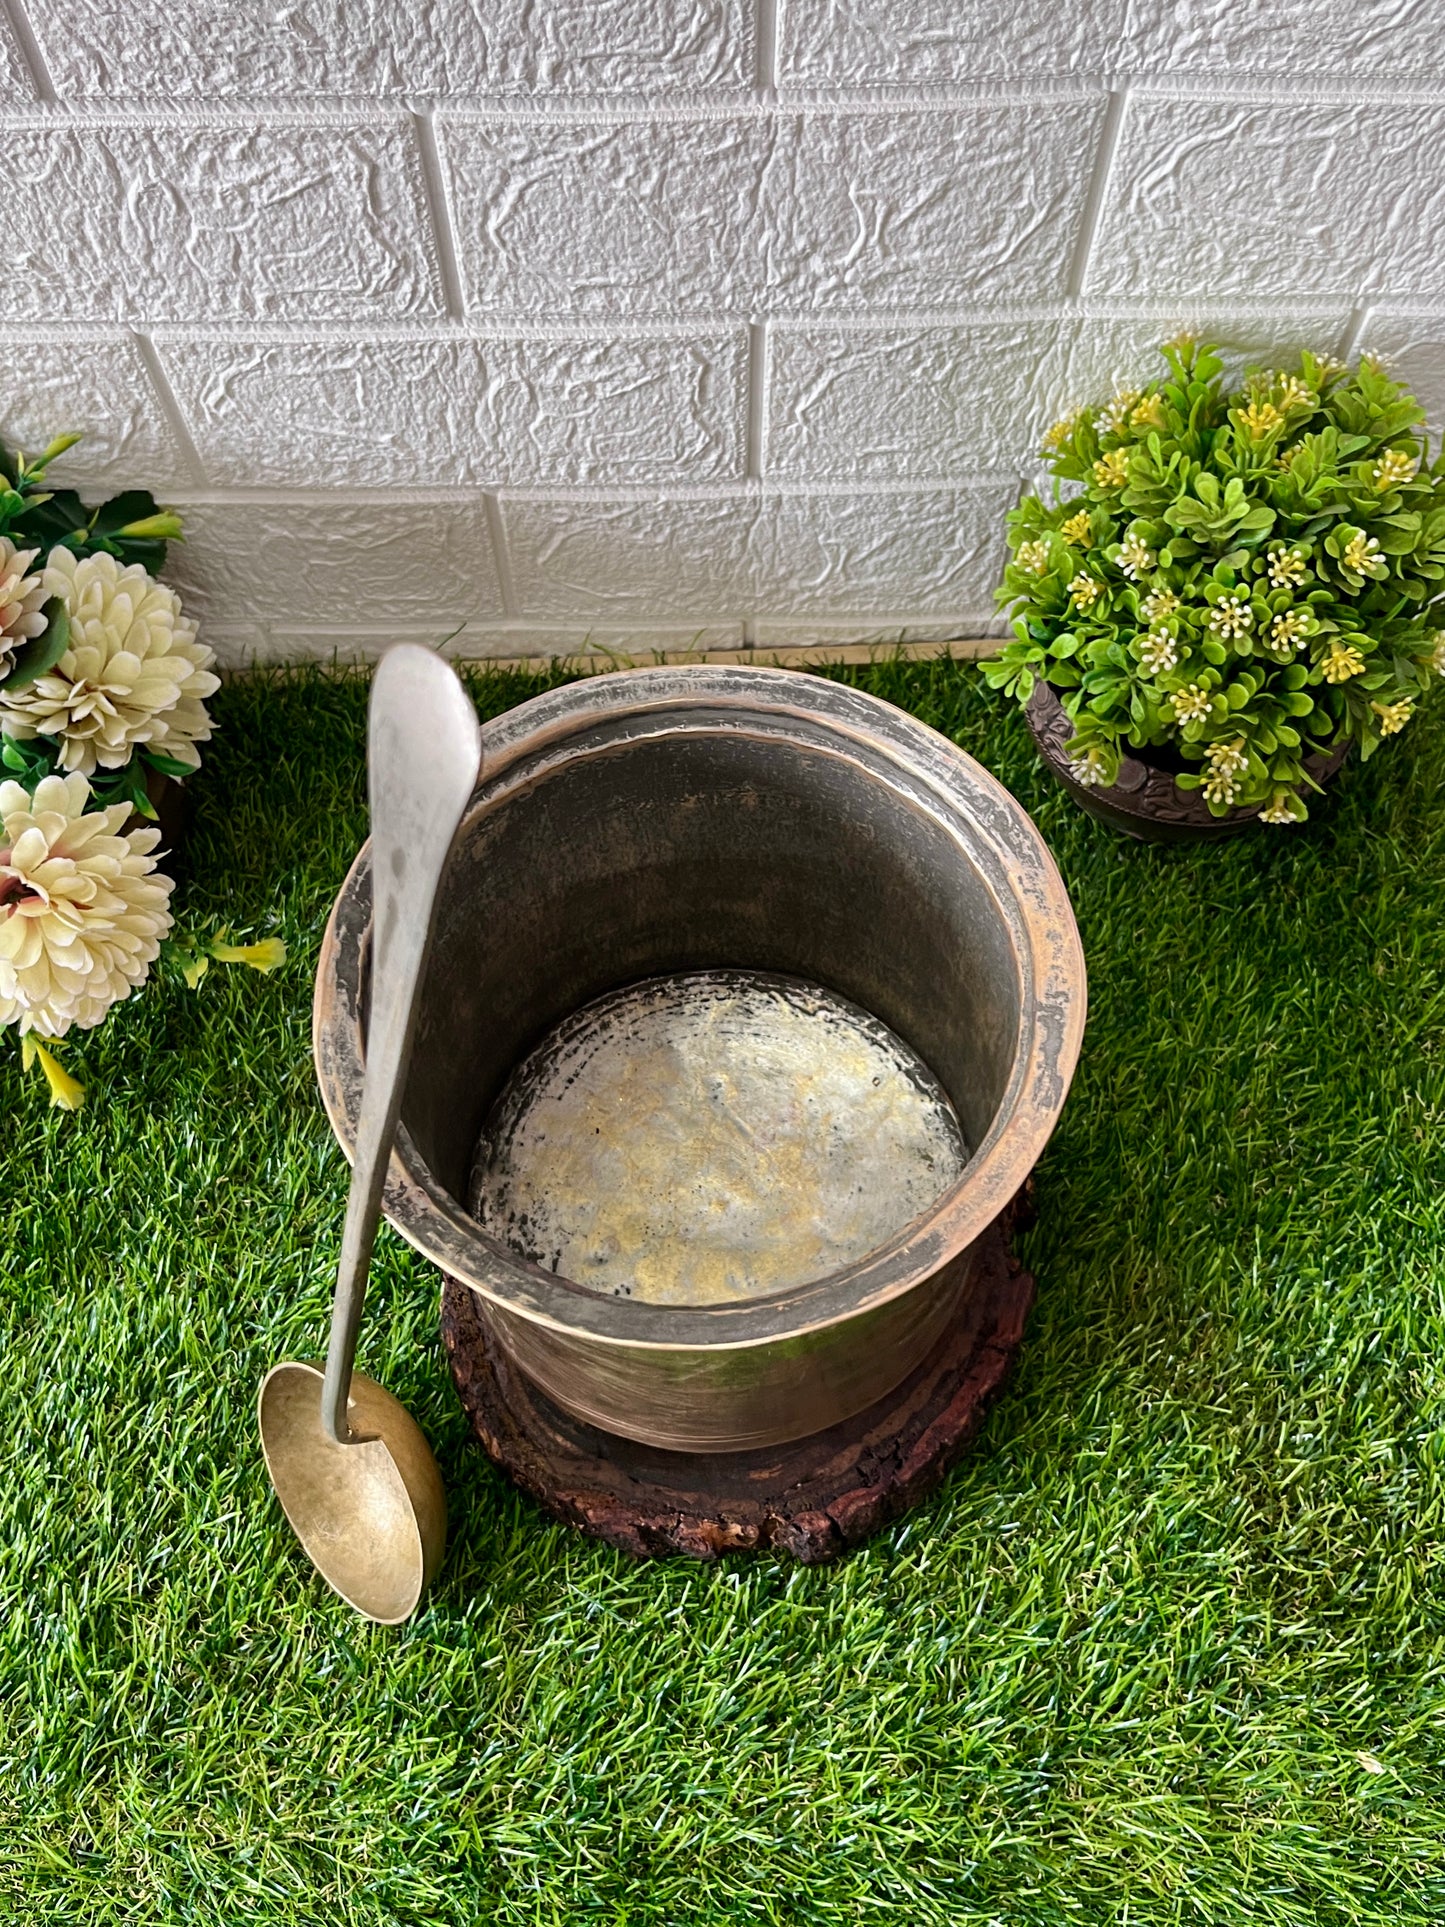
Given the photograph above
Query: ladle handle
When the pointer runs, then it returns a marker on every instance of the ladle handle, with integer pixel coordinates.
(423, 756)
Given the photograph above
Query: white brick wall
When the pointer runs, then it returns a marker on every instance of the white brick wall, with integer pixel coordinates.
(669, 324)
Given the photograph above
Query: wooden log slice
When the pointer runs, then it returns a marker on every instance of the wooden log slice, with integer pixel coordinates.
(812, 1498)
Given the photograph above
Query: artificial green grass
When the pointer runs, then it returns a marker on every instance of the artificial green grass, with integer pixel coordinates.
(1167, 1647)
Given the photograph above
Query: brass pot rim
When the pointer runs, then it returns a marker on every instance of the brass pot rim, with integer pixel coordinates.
(937, 775)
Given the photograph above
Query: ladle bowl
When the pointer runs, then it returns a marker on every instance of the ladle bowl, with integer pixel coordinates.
(371, 1514)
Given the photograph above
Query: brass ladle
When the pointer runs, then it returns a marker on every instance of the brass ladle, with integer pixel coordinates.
(351, 1467)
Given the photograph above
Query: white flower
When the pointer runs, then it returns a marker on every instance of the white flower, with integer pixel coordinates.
(1228, 759)
(1231, 617)
(1362, 555)
(1286, 568)
(1294, 394)
(1092, 768)
(82, 912)
(1437, 654)
(1157, 653)
(21, 595)
(1085, 591)
(1394, 716)
(1156, 606)
(1287, 633)
(1220, 788)
(1283, 807)
(133, 672)
(1113, 418)
(1136, 558)
(1393, 467)
(1033, 557)
(1190, 703)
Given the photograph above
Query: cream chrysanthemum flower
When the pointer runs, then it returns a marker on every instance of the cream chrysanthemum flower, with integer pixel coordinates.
(1220, 787)
(21, 595)
(1293, 393)
(1114, 416)
(1091, 769)
(82, 911)
(133, 672)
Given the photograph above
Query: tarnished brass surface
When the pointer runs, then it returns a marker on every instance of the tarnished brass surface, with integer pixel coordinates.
(710, 1136)
(709, 818)
(370, 1513)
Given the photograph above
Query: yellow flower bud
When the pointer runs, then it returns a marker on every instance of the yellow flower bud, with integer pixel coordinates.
(265, 956)
(65, 1093)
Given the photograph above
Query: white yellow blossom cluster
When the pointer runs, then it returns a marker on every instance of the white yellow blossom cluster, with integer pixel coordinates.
(1250, 575)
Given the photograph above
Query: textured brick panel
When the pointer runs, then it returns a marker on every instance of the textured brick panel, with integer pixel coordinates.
(822, 633)
(424, 566)
(100, 388)
(15, 81)
(928, 43)
(1272, 203)
(787, 554)
(286, 222)
(635, 643)
(1412, 347)
(448, 411)
(796, 214)
(921, 43)
(222, 49)
(1335, 39)
(919, 403)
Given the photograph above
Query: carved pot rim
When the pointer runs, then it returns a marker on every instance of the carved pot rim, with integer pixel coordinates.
(1144, 792)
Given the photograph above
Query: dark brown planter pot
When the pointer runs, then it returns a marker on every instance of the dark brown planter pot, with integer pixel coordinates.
(172, 806)
(1145, 802)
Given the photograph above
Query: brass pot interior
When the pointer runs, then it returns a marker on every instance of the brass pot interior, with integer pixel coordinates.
(700, 851)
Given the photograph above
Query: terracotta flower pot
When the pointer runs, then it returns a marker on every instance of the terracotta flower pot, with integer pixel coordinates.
(1145, 801)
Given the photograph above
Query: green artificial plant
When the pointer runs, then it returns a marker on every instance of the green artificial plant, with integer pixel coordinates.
(1242, 578)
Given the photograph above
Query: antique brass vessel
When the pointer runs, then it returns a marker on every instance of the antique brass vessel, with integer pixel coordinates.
(715, 818)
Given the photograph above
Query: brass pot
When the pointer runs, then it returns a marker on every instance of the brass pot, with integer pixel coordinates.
(708, 817)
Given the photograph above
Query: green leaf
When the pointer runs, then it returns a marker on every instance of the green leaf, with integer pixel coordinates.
(42, 652)
(167, 765)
